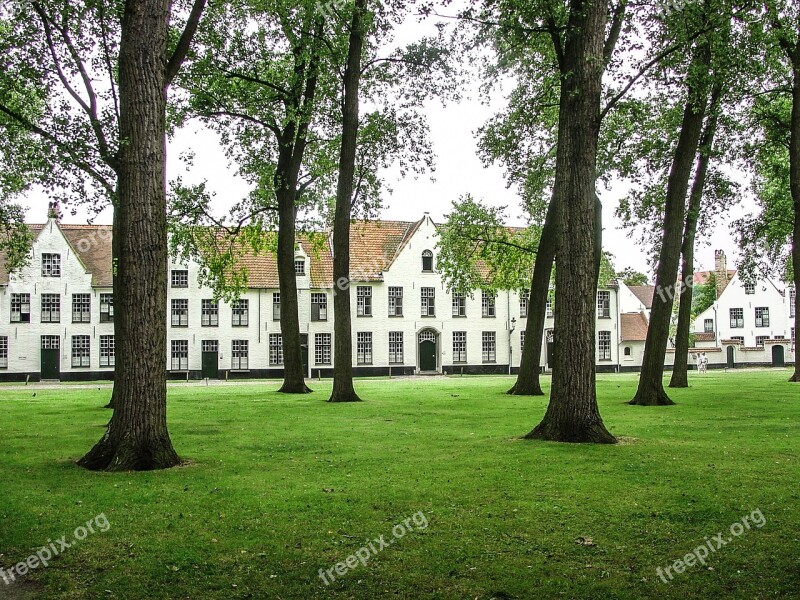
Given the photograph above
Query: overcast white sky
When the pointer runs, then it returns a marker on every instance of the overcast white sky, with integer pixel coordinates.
(459, 171)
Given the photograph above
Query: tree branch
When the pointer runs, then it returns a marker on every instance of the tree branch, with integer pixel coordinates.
(185, 41)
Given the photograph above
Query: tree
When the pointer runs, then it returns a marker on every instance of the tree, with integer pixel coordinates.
(632, 277)
(269, 81)
(137, 436)
(770, 237)
(65, 92)
(343, 390)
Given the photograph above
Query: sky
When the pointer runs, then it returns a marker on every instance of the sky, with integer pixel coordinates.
(459, 171)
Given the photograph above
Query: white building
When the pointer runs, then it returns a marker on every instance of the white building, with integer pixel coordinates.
(59, 308)
(748, 324)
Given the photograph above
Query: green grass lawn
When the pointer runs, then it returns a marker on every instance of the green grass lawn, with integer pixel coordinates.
(279, 487)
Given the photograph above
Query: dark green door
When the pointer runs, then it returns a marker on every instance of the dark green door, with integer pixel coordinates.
(551, 349)
(427, 355)
(731, 357)
(51, 357)
(210, 359)
(211, 365)
(778, 359)
(304, 352)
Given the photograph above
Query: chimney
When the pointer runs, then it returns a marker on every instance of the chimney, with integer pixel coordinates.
(54, 211)
(721, 271)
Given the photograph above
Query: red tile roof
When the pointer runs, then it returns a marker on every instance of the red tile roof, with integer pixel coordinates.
(633, 327)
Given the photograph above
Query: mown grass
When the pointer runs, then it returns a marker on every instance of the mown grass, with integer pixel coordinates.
(278, 487)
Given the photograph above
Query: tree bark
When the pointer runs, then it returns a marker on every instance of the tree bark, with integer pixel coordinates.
(794, 184)
(680, 369)
(343, 390)
(137, 436)
(651, 385)
(527, 383)
(572, 414)
(116, 292)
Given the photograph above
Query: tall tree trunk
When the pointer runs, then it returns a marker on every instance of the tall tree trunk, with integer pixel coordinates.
(794, 183)
(294, 379)
(680, 369)
(572, 414)
(651, 385)
(137, 437)
(343, 390)
(527, 383)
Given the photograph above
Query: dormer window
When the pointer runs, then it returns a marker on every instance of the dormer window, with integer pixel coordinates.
(51, 265)
(180, 278)
(427, 261)
(299, 266)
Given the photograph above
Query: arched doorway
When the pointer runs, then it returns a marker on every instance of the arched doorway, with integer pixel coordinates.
(428, 341)
(778, 358)
(731, 357)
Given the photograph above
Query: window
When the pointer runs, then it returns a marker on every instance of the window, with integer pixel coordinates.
(319, 307)
(603, 305)
(395, 302)
(708, 325)
(210, 346)
(364, 348)
(549, 308)
(792, 302)
(760, 339)
(428, 301)
(762, 316)
(627, 351)
(749, 288)
(459, 346)
(180, 313)
(364, 301)
(427, 261)
(488, 304)
(20, 308)
(240, 313)
(275, 349)
(524, 300)
(489, 346)
(604, 345)
(459, 304)
(51, 342)
(51, 308)
(738, 338)
(81, 308)
(395, 347)
(521, 342)
(239, 355)
(3, 352)
(80, 351)
(180, 355)
(51, 265)
(106, 350)
(322, 348)
(180, 279)
(209, 313)
(276, 306)
(106, 308)
(299, 266)
(737, 318)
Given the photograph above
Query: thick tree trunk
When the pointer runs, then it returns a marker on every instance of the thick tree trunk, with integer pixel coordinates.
(572, 414)
(294, 379)
(794, 183)
(343, 390)
(528, 378)
(651, 385)
(137, 437)
(680, 370)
